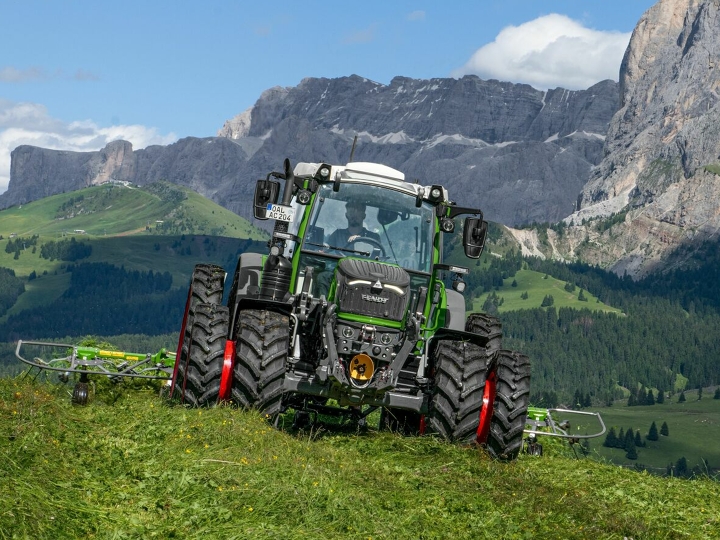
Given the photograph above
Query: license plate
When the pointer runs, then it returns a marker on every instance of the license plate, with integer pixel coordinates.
(280, 212)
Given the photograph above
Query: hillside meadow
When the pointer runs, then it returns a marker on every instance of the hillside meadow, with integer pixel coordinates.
(132, 465)
(694, 429)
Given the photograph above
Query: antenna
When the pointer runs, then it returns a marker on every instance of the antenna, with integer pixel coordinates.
(352, 151)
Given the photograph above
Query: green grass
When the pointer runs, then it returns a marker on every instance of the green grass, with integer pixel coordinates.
(129, 465)
(537, 286)
(108, 211)
(694, 428)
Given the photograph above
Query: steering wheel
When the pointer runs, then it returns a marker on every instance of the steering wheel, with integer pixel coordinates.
(367, 239)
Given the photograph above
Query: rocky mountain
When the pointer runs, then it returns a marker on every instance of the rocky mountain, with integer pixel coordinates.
(660, 173)
(519, 153)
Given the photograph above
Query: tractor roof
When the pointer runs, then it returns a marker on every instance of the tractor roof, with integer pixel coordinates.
(367, 173)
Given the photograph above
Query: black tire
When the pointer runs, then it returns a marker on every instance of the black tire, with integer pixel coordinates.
(512, 372)
(400, 421)
(459, 369)
(261, 351)
(198, 379)
(206, 287)
(487, 326)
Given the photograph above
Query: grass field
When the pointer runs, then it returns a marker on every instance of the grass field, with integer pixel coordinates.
(537, 286)
(129, 465)
(694, 428)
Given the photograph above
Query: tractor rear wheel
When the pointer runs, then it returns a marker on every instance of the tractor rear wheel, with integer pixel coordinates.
(206, 287)
(200, 374)
(261, 352)
(511, 377)
(460, 369)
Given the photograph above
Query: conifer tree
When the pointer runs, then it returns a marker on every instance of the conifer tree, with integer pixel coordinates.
(611, 439)
(650, 399)
(631, 452)
(652, 433)
(682, 399)
(699, 392)
(664, 430)
(717, 393)
(681, 468)
(661, 396)
(621, 438)
(629, 439)
(638, 439)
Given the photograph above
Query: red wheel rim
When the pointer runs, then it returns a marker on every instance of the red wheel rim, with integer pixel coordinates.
(487, 408)
(227, 371)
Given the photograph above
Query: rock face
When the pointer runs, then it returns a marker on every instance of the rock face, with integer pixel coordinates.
(521, 154)
(662, 152)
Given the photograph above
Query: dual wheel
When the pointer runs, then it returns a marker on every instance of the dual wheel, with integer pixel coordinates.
(480, 394)
(204, 365)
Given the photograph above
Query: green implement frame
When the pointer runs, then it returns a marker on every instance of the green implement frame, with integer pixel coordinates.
(547, 422)
(66, 359)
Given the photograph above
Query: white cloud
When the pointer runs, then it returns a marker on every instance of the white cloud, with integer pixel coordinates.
(30, 123)
(548, 52)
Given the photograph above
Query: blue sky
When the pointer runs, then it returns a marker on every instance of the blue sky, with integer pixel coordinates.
(77, 74)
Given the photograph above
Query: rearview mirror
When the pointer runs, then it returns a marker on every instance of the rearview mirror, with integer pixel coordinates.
(266, 192)
(474, 235)
(386, 217)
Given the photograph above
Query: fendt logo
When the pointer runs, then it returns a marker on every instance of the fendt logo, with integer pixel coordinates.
(373, 298)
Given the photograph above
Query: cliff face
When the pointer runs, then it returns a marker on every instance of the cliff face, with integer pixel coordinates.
(662, 152)
(519, 153)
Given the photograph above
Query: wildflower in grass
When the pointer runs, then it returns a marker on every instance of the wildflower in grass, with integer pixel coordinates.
(249, 508)
(187, 450)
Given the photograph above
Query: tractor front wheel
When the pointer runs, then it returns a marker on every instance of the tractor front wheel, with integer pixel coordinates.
(459, 370)
(261, 351)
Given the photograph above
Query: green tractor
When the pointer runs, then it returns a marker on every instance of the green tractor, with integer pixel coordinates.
(349, 313)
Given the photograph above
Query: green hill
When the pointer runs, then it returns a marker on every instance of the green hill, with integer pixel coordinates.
(528, 288)
(115, 210)
(159, 228)
(131, 466)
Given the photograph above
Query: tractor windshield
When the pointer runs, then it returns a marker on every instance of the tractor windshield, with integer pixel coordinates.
(371, 222)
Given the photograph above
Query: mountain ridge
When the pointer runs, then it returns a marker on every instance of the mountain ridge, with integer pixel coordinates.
(519, 153)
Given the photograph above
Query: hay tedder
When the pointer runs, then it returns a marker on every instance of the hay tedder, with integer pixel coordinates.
(556, 423)
(68, 359)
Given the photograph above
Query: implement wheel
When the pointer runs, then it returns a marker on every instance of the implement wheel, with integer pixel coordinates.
(459, 379)
(206, 287)
(201, 372)
(511, 380)
(261, 351)
(80, 393)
